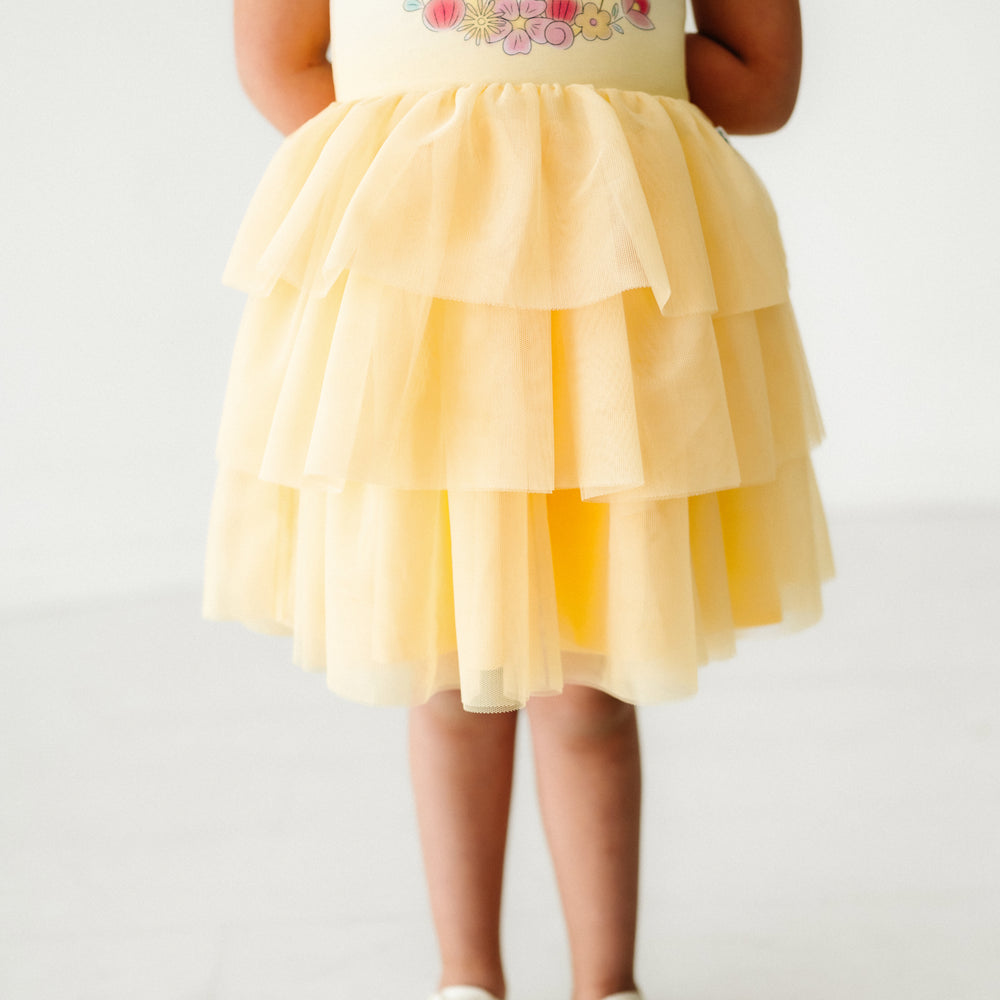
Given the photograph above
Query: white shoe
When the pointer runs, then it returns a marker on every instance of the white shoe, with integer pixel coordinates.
(463, 993)
(627, 995)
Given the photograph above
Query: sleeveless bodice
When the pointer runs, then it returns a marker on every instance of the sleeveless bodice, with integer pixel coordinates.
(381, 47)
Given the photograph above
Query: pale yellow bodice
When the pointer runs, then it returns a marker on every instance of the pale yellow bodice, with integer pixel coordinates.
(383, 47)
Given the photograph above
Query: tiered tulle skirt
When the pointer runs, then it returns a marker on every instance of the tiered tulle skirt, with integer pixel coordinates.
(518, 400)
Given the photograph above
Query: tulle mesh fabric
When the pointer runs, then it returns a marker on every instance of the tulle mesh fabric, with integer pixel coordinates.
(518, 400)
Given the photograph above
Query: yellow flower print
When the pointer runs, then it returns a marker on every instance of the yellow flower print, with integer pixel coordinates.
(594, 22)
(481, 21)
(522, 24)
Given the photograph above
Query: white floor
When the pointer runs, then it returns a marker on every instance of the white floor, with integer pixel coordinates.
(186, 815)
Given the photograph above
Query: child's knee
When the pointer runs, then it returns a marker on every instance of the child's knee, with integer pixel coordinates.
(581, 712)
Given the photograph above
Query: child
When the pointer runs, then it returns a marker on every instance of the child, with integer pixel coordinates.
(518, 415)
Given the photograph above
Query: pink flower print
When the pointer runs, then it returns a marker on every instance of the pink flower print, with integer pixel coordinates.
(521, 22)
(638, 14)
(559, 31)
(558, 34)
(443, 15)
(562, 10)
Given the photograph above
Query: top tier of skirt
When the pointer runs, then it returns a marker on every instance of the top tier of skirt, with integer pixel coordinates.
(381, 47)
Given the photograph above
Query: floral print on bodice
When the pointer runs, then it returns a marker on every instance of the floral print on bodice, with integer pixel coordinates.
(521, 24)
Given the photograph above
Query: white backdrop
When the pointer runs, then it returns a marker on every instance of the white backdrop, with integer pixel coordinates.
(129, 154)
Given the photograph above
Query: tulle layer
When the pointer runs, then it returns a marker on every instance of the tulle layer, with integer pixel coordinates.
(518, 400)
(397, 594)
(533, 196)
(379, 385)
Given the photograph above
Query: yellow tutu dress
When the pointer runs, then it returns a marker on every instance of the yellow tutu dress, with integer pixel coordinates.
(518, 398)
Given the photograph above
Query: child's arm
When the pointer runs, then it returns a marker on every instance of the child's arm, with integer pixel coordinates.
(281, 58)
(744, 63)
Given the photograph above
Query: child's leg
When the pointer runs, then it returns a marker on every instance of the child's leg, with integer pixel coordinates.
(588, 773)
(462, 765)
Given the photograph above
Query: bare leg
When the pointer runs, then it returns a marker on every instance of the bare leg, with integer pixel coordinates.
(588, 773)
(462, 766)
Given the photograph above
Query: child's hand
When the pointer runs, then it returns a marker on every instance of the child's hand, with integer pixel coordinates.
(744, 63)
(281, 58)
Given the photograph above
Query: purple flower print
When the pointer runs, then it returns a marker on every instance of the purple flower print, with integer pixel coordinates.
(520, 23)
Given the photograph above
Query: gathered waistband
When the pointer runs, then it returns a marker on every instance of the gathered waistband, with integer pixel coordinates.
(381, 47)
